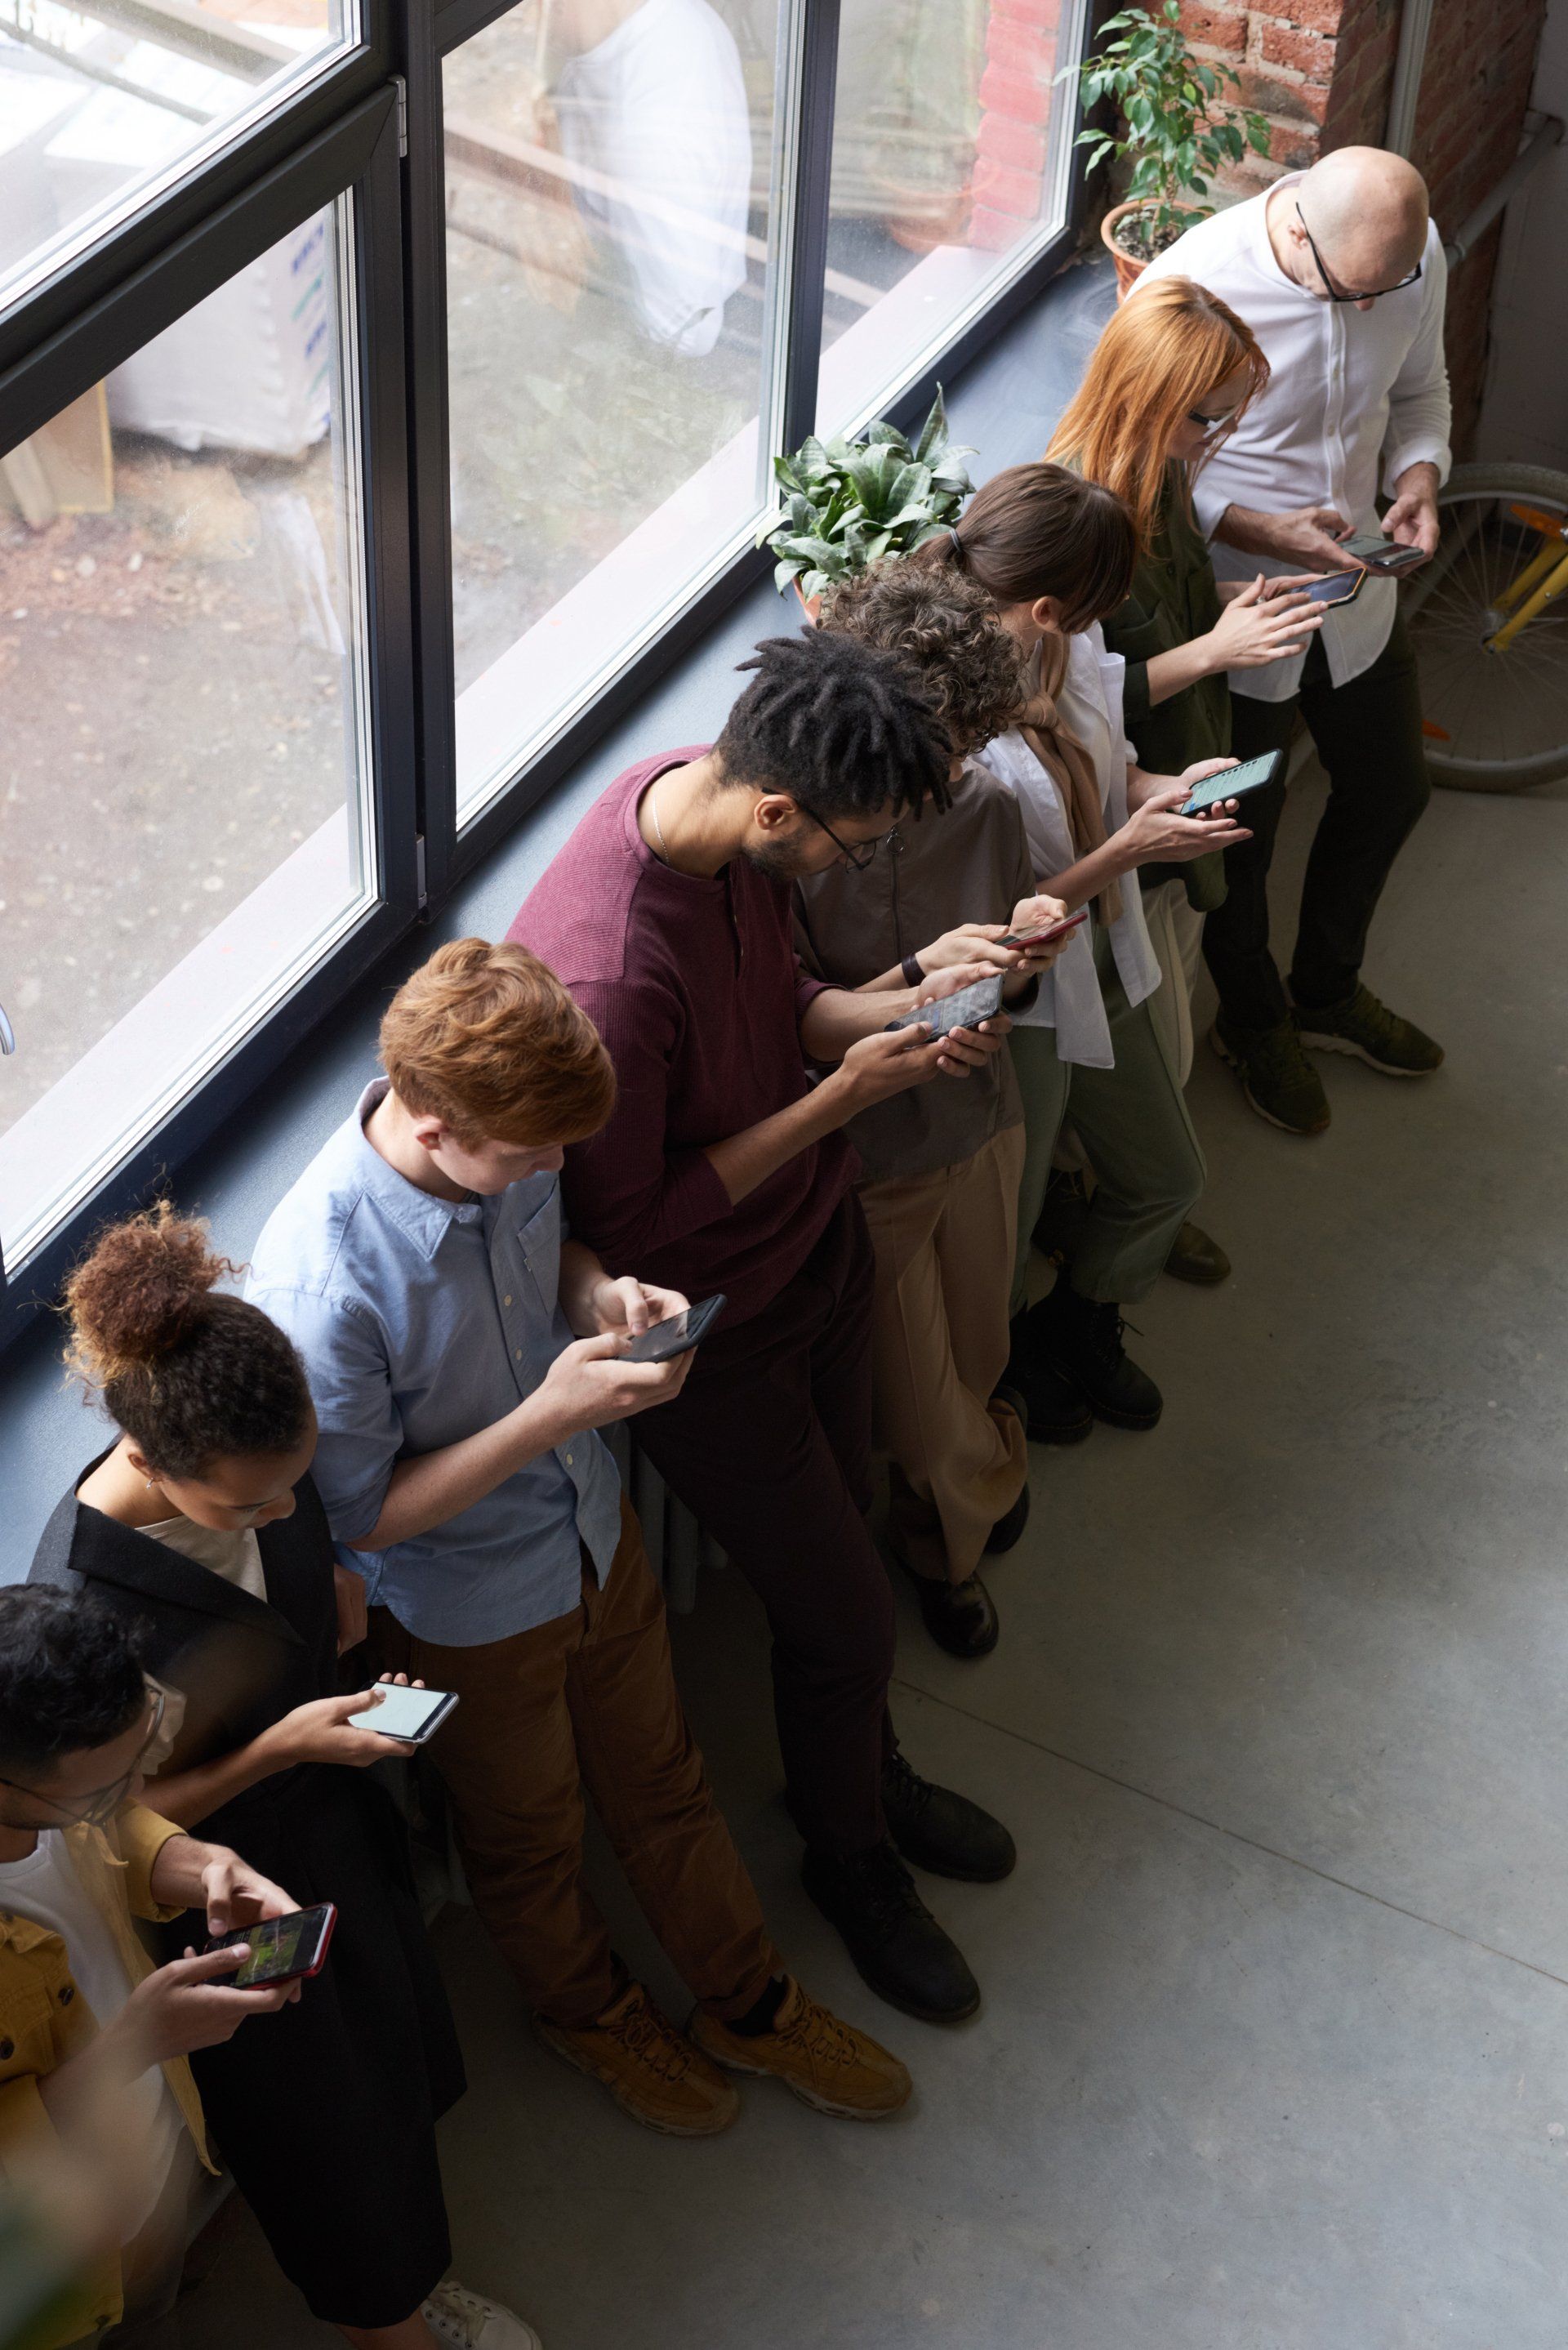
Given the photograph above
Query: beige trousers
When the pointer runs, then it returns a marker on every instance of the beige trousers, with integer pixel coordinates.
(957, 1462)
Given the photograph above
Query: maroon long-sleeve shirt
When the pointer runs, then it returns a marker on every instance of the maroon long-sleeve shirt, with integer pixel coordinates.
(695, 990)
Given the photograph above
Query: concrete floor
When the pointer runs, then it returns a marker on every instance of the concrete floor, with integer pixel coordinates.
(1274, 2047)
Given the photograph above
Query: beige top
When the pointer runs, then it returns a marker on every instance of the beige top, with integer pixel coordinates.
(236, 1556)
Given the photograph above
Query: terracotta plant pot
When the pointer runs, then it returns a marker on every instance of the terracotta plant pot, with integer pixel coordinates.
(1129, 269)
(811, 607)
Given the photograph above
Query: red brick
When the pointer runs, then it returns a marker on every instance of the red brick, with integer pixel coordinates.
(1017, 94)
(1215, 28)
(1293, 145)
(1044, 13)
(991, 232)
(1311, 16)
(1018, 144)
(1003, 189)
(1267, 94)
(1287, 45)
(1019, 48)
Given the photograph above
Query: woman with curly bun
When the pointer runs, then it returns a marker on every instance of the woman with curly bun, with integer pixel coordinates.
(200, 1527)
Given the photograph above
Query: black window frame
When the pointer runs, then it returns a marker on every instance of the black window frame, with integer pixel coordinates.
(370, 121)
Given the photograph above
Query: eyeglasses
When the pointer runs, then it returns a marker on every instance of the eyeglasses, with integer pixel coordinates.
(1212, 427)
(98, 1806)
(862, 857)
(1333, 291)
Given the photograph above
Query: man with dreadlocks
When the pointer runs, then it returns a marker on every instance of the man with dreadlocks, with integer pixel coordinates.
(667, 914)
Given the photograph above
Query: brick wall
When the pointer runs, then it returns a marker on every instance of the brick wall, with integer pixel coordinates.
(1321, 71)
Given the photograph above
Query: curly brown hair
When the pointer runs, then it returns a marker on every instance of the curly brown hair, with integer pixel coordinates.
(191, 1373)
(945, 624)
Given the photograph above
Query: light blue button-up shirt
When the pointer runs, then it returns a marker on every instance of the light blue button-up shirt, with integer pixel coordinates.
(422, 1321)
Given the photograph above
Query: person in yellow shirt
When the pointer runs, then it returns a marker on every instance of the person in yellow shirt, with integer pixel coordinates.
(84, 2014)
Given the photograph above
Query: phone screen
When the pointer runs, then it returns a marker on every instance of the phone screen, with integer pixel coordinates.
(1334, 588)
(676, 1334)
(280, 1947)
(403, 1713)
(966, 1008)
(1231, 783)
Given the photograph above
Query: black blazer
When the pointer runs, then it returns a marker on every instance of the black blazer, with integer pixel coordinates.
(242, 1661)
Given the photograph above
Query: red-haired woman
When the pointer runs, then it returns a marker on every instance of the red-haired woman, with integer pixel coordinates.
(1166, 382)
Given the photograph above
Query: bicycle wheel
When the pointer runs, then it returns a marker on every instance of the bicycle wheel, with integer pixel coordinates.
(1494, 721)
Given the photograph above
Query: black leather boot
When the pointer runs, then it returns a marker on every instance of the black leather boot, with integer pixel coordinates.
(942, 1831)
(1056, 1413)
(896, 1943)
(1082, 1339)
(961, 1617)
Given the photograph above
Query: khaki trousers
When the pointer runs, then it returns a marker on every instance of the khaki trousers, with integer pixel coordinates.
(588, 1701)
(957, 1460)
(1175, 934)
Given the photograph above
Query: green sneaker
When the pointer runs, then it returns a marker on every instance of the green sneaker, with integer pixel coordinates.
(1373, 1033)
(1277, 1079)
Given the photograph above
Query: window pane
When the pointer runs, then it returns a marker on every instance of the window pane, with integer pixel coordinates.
(183, 817)
(102, 102)
(611, 170)
(951, 147)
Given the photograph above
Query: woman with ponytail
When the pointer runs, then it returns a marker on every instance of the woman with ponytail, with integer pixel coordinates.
(201, 1530)
(1056, 554)
(1169, 378)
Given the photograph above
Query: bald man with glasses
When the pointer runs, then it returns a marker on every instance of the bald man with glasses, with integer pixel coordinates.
(1339, 272)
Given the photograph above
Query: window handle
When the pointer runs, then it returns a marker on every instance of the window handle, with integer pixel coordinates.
(7, 1033)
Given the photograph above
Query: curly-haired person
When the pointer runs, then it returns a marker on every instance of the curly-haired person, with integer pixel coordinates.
(669, 915)
(942, 1166)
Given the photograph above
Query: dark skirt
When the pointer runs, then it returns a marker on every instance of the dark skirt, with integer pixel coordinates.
(326, 2112)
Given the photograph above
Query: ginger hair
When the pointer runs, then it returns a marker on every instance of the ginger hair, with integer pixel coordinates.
(487, 1039)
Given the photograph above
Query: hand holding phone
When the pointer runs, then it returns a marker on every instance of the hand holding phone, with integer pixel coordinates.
(411, 1715)
(1380, 554)
(1026, 940)
(965, 1008)
(676, 1334)
(1233, 783)
(282, 1950)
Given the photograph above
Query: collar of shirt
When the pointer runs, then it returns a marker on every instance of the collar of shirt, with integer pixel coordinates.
(425, 1217)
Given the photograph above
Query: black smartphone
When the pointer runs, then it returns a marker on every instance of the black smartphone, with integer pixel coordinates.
(966, 1008)
(677, 1334)
(1044, 938)
(281, 1947)
(1380, 554)
(415, 1714)
(1233, 783)
(1334, 588)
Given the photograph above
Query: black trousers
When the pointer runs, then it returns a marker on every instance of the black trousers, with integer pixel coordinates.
(1368, 736)
(769, 1445)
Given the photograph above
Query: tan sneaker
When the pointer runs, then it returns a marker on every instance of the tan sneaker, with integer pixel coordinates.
(828, 2064)
(652, 2073)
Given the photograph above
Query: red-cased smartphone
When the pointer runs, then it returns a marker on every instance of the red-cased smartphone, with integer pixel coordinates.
(282, 1949)
(1044, 938)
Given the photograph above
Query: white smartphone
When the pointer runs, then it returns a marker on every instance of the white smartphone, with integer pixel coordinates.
(415, 1714)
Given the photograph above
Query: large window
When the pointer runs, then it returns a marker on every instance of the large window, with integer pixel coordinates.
(368, 440)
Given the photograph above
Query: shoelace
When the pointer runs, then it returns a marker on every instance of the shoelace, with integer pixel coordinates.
(820, 2034)
(888, 1888)
(646, 2037)
(903, 1786)
(472, 2308)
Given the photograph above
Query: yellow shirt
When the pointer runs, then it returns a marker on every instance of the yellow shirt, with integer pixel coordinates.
(44, 2020)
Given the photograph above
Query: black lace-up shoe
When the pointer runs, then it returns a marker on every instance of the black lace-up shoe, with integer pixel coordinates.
(896, 1945)
(961, 1617)
(941, 1831)
(1082, 1340)
(1054, 1410)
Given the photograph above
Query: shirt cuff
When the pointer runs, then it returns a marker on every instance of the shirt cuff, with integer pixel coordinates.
(1423, 450)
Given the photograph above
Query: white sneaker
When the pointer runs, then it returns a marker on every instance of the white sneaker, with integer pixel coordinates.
(466, 2320)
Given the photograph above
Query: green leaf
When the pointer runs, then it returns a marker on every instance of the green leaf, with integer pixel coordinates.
(934, 432)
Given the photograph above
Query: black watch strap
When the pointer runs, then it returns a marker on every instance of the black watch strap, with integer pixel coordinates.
(913, 975)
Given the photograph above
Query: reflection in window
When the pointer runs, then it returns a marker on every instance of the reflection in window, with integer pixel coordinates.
(101, 99)
(610, 175)
(950, 143)
(181, 802)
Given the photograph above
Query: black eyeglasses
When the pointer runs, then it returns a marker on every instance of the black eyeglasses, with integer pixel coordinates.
(1333, 291)
(99, 1805)
(1212, 427)
(861, 857)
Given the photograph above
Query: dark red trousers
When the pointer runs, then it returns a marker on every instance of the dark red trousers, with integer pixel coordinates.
(769, 1445)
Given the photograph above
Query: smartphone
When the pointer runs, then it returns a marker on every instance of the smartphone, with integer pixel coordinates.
(1234, 782)
(1334, 588)
(415, 1714)
(1044, 938)
(966, 1008)
(1380, 554)
(677, 1334)
(282, 1948)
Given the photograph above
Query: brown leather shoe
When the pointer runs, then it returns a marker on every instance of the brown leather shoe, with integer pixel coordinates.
(824, 2062)
(1195, 1256)
(650, 2069)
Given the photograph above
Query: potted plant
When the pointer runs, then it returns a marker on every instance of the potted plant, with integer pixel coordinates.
(1172, 130)
(848, 503)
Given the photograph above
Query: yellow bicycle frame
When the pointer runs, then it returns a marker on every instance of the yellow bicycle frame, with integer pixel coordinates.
(1543, 577)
